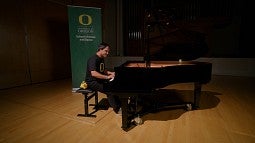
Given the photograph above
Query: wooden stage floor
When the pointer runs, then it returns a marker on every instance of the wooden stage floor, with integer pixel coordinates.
(46, 113)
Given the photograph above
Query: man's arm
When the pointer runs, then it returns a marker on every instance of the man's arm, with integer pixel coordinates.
(107, 74)
(101, 76)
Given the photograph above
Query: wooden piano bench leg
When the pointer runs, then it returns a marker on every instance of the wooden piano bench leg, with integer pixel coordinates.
(88, 94)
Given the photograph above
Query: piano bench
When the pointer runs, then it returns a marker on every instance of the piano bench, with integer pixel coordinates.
(88, 94)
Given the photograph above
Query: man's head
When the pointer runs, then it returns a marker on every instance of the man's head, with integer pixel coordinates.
(103, 50)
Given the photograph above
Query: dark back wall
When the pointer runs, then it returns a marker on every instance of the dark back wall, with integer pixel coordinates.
(34, 40)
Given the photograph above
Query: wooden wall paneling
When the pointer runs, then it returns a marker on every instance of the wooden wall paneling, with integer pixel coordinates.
(14, 69)
(48, 40)
(34, 40)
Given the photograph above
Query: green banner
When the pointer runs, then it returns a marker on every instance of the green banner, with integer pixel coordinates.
(85, 30)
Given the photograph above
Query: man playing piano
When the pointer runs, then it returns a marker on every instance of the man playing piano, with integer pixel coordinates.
(98, 77)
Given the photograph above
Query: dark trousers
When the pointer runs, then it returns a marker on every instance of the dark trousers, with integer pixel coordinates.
(113, 100)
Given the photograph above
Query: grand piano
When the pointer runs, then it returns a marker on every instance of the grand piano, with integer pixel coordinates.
(134, 78)
(166, 62)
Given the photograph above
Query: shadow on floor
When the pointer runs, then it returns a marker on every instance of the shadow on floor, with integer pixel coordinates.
(171, 104)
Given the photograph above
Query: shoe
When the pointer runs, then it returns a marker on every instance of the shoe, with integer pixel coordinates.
(118, 111)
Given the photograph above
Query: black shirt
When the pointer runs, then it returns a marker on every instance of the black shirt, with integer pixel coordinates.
(94, 63)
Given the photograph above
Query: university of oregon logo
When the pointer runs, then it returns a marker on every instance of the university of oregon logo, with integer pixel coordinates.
(101, 67)
(85, 19)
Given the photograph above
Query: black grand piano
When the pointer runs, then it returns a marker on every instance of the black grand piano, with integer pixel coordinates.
(170, 62)
(133, 78)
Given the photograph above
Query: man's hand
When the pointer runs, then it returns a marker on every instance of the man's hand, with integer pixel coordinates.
(111, 75)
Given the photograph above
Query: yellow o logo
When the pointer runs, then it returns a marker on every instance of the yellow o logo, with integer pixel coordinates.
(101, 67)
(89, 19)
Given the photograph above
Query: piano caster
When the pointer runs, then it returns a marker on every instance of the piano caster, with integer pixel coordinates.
(138, 120)
(189, 107)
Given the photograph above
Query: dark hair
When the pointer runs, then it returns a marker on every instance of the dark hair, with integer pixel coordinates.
(102, 46)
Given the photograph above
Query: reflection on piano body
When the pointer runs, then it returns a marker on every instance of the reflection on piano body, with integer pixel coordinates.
(135, 76)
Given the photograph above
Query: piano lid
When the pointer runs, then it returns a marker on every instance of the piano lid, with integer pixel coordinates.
(165, 40)
(181, 44)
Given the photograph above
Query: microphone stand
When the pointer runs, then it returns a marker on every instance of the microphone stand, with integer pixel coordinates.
(147, 55)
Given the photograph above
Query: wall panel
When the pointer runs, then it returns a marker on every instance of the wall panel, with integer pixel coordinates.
(34, 42)
(14, 69)
(48, 40)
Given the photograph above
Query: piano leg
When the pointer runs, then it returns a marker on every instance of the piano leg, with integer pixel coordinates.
(126, 119)
(124, 108)
(197, 93)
